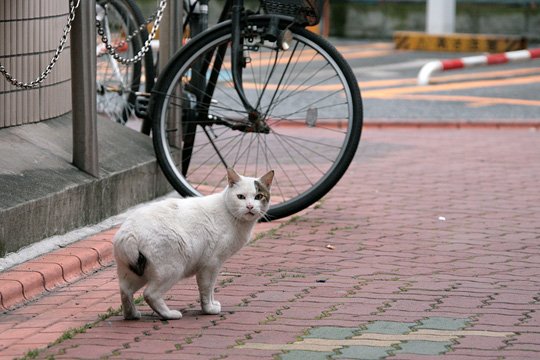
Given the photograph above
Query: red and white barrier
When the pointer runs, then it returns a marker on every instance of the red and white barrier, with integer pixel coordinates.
(493, 59)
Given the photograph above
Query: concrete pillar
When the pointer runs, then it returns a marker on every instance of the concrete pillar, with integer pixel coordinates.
(441, 16)
(30, 31)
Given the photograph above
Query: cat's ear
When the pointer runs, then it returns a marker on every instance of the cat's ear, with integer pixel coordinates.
(232, 177)
(267, 178)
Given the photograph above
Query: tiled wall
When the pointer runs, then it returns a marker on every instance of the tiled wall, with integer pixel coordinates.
(30, 31)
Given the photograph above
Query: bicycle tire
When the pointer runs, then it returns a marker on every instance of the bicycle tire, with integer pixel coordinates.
(165, 100)
(116, 97)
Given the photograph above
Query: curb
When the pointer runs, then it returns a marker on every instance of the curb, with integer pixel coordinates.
(450, 125)
(27, 281)
(40, 275)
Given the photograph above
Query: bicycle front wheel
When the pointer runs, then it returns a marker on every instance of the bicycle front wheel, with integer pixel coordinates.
(308, 129)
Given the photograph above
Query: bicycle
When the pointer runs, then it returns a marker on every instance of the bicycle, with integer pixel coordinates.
(258, 91)
(122, 27)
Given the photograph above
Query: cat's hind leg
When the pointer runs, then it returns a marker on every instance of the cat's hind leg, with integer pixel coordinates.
(129, 284)
(206, 280)
(153, 295)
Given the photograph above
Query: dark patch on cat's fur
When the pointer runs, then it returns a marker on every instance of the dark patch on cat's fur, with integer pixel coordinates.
(139, 267)
(263, 190)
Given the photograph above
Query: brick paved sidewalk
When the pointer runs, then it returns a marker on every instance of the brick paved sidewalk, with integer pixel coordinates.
(428, 247)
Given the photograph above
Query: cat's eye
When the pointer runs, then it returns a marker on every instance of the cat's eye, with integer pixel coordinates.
(259, 197)
(241, 197)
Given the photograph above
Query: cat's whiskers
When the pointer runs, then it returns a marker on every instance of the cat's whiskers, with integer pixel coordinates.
(264, 215)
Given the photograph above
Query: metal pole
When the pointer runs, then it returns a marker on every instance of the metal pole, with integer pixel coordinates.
(170, 33)
(441, 16)
(83, 93)
(170, 41)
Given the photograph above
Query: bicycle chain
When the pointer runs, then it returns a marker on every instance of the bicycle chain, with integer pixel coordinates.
(34, 83)
(111, 49)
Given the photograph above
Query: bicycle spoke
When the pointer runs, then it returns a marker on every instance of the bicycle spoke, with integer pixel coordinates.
(298, 93)
(294, 71)
(305, 107)
(296, 151)
(308, 142)
(283, 172)
(223, 155)
(297, 73)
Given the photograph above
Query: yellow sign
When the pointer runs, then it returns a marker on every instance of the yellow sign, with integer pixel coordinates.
(409, 40)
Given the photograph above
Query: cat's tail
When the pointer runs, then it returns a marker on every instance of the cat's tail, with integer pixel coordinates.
(126, 251)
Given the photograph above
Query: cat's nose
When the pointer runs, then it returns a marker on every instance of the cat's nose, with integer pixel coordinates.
(249, 206)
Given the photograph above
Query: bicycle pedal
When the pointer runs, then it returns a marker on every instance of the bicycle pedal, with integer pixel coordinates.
(142, 104)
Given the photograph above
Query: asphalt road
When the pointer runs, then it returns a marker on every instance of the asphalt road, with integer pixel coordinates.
(506, 94)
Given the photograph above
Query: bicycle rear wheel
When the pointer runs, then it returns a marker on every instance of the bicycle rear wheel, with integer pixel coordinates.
(117, 83)
(311, 125)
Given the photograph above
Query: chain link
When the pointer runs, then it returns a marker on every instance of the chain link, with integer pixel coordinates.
(147, 44)
(35, 83)
(110, 49)
(129, 37)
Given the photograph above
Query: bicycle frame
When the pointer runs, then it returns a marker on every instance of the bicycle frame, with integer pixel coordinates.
(236, 9)
(237, 51)
(233, 10)
(199, 82)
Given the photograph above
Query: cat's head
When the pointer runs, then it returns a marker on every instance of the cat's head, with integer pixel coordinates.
(248, 198)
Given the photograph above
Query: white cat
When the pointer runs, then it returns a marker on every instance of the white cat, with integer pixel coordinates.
(173, 239)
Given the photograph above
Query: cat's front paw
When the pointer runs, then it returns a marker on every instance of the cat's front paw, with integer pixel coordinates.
(171, 315)
(213, 308)
(134, 315)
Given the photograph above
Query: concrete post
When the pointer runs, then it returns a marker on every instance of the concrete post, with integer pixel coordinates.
(83, 95)
(441, 16)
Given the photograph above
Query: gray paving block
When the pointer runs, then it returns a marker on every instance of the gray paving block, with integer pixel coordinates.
(331, 332)
(388, 327)
(363, 352)
(443, 323)
(305, 355)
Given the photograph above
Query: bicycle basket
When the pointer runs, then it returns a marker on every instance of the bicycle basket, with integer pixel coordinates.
(305, 12)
